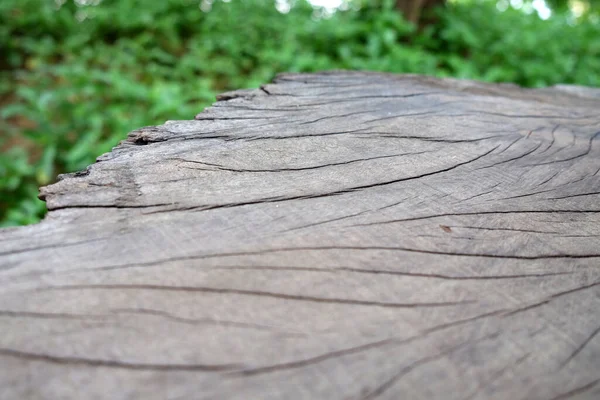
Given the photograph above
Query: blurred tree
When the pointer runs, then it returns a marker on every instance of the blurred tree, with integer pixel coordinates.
(77, 75)
(580, 5)
(413, 9)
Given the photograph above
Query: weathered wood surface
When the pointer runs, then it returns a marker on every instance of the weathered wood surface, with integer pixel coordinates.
(329, 236)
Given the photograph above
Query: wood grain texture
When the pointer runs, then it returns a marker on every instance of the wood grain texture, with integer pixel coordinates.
(327, 236)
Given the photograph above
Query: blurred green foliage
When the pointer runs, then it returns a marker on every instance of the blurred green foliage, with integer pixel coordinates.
(75, 77)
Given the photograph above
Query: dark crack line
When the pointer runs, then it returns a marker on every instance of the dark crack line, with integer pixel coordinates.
(200, 321)
(394, 204)
(549, 179)
(92, 362)
(584, 177)
(103, 317)
(520, 137)
(393, 181)
(479, 213)
(477, 195)
(382, 388)
(336, 116)
(53, 246)
(570, 145)
(513, 158)
(459, 322)
(276, 199)
(321, 195)
(497, 375)
(550, 298)
(335, 270)
(347, 216)
(117, 206)
(224, 168)
(256, 293)
(530, 116)
(44, 315)
(409, 250)
(525, 195)
(301, 136)
(326, 221)
(575, 157)
(399, 116)
(358, 349)
(505, 229)
(5, 266)
(553, 139)
(580, 347)
(580, 236)
(385, 386)
(203, 117)
(333, 100)
(326, 248)
(575, 195)
(576, 391)
(227, 105)
(378, 135)
(314, 360)
(531, 132)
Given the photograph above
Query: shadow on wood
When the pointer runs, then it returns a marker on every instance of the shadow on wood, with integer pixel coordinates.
(328, 236)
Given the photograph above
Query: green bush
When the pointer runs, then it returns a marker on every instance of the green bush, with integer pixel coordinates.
(481, 43)
(76, 76)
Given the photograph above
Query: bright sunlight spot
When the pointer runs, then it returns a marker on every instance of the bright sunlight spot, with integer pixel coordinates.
(539, 6)
(542, 9)
(578, 8)
(330, 5)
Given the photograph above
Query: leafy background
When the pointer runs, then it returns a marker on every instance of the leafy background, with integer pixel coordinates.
(76, 76)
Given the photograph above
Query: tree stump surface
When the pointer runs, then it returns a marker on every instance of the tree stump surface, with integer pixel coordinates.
(327, 236)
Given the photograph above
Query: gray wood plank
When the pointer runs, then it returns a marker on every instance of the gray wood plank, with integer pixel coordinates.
(338, 235)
